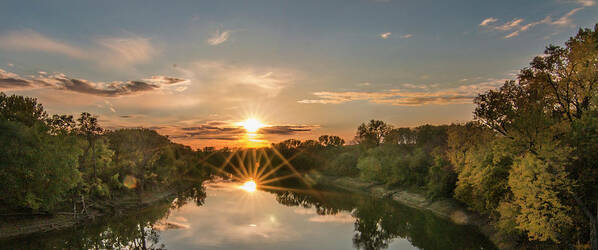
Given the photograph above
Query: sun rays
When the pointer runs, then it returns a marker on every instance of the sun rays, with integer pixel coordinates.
(249, 186)
(251, 125)
(255, 168)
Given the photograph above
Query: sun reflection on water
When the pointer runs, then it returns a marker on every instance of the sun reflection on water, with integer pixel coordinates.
(249, 186)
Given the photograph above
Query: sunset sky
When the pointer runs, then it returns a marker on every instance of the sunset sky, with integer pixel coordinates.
(194, 69)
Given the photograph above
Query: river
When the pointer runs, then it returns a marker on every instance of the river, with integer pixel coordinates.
(220, 215)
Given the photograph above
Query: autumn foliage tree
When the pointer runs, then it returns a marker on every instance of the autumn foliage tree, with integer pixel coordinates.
(544, 118)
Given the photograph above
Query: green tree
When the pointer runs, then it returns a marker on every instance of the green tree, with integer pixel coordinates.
(140, 149)
(549, 104)
(540, 186)
(37, 170)
(401, 136)
(88, 127)
(331, 141)
(372, 133)
(21, 109)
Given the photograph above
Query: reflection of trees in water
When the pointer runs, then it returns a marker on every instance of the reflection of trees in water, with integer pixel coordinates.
(369, 230)
(196, 193)
(132, 231)
(304, 200)
(378, 222)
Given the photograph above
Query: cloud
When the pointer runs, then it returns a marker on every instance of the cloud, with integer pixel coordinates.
(230, 131)
(107, 105)
(398, 97)
(286, 130)
(565, 20)
(109, 89)
(227, 78)
(385, 35)
(31, 40)
(414, 86)
(128, 50)
(407, 36)
(510, 25)
(586, 3)
(109, 51)
(12, 81)
(527, 26)
(219, 37)
(488, 20)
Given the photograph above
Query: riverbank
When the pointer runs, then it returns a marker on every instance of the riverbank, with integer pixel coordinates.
(21, 225)
(445, 207)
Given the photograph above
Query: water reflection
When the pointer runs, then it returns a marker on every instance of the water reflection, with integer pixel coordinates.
(225, 217)
(378, 223)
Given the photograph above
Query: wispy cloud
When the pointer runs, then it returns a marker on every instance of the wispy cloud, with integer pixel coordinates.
(517, 23)
(286, 129)
(385, 35)
(586, 3)
(230, 131)
(128, 50)
(31, 40)
(565, 20)
(414, 86)
(107, 105)
(546, 20)
(11, 81)
(407, 36)
(109, 51)
(228, 77)
(219, 37)
(510, 25)
(488, 20)
(398, 97)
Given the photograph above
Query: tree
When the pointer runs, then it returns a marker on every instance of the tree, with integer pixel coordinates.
(401, 136)
(539, 185)
(331, 141)
(37, 169)
(61, 124)
(141, 148)
(21, 109)
(88, 127)
(372, 133)
(550, 104)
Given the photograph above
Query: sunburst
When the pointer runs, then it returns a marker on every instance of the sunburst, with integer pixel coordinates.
(251, 125)
(252, 168)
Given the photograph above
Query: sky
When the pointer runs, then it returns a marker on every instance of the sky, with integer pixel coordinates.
(193, 70)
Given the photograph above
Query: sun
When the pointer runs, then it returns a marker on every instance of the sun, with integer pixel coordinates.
(249, 186)
(251, 125)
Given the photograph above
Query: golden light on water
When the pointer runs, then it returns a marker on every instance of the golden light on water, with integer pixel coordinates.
(251, 167)
(249, 186)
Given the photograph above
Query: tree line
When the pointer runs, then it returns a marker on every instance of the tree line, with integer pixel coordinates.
(528, 160)
(59, 162)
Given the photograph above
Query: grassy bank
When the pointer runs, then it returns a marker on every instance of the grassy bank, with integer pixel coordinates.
(444, 207)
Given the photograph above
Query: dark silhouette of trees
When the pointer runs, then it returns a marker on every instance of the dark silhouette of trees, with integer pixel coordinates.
(372, 133)
(331, 141)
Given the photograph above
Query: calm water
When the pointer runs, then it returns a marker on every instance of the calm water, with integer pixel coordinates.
(222, 216)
